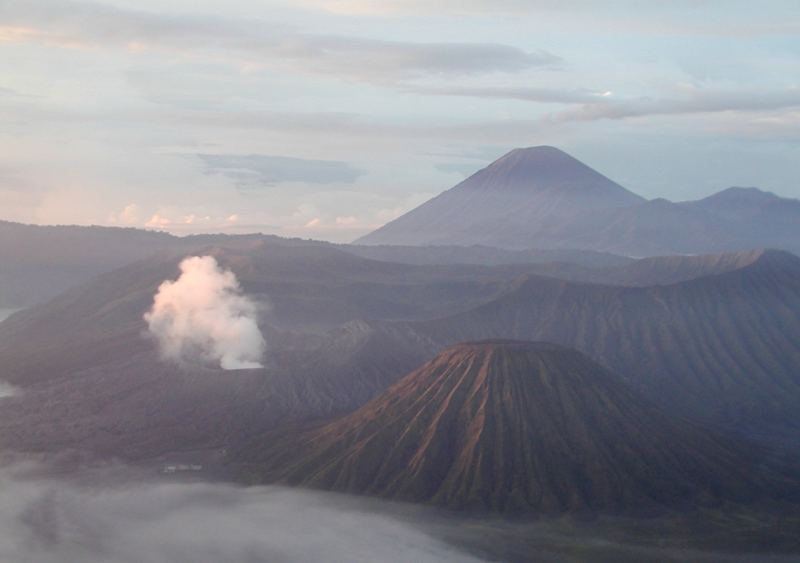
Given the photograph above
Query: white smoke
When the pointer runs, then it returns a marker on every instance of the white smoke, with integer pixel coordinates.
(203, 315)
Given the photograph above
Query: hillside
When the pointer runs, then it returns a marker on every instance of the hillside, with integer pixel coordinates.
(514, 426)
(133, 406)
(725, 347)
(37, 263)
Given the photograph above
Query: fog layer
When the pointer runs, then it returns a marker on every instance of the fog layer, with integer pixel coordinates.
(53, 522)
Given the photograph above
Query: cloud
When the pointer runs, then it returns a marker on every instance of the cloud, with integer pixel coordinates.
(256, 170)
(7, 390)
(203, 316)
(344, 225)
(107, 516)
(542, 95)
(11, 93)
(457, 7)
(256, 43)
(692, 102)
(346, 221)
(128, 216)
(158, 222)
(181, 222)
(592, 105)
(53, 522)
(678, 17)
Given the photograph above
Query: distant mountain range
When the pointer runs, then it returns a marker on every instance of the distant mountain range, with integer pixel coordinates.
(533, 205)
(39, 262)
(515, 427)
(540, 197)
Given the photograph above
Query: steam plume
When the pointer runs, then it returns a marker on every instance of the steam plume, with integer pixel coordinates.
(203, 315)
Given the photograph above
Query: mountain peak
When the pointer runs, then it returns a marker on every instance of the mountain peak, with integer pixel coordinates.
(539, 151)
(543, 169)
(748, 195)
(511, 203)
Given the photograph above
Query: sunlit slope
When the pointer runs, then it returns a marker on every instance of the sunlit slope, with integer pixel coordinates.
(515, 426)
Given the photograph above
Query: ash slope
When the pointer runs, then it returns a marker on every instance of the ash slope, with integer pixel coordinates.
(516, 426)
(724, 347)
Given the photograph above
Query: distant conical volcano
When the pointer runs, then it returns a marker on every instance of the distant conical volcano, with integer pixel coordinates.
(513, 426)
(547, 169)
(514, 202)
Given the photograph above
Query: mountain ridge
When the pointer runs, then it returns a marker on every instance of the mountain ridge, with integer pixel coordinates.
(721, 347)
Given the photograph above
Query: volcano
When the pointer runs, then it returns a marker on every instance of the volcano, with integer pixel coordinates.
(519, 201)
(514, 426)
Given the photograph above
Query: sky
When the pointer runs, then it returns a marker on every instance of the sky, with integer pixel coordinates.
(327, 118)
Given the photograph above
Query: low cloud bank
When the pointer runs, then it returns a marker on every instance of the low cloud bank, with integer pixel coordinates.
(7, 390)
(257, 170)
(53, 522)
(203, 316)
